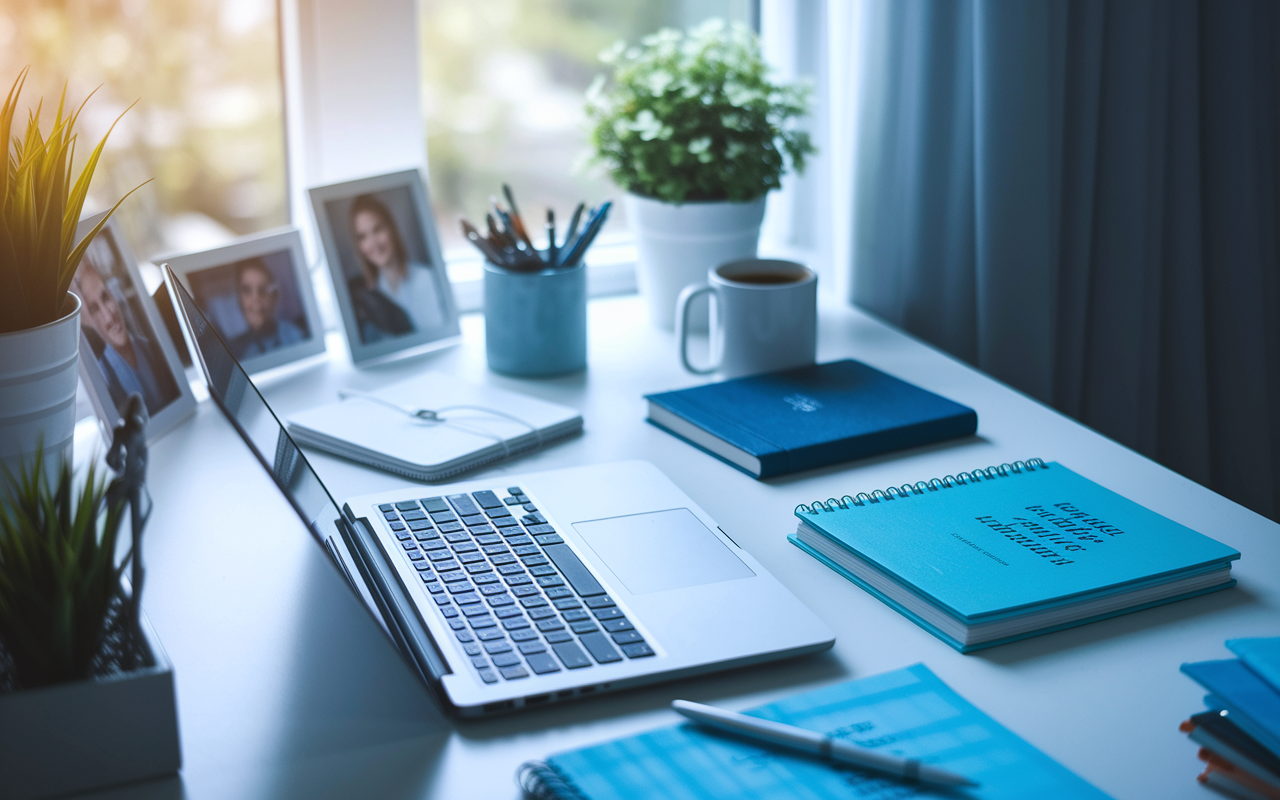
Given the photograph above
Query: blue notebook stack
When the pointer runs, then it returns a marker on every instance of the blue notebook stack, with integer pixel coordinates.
(1003, 553)
(908, 713)
(797, 419)
(1239, 734)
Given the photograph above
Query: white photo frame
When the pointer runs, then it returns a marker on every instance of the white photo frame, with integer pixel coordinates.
(379, 239)
(256, 293)
(124, 345)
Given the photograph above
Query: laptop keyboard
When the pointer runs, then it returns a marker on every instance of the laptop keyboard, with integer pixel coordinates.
(517, 597)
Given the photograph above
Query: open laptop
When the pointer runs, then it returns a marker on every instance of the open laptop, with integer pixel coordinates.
(513, 592)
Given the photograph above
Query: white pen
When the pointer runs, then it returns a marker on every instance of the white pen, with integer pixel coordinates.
(909, 769)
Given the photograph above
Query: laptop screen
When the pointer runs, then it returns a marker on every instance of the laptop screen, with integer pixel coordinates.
(240, 400)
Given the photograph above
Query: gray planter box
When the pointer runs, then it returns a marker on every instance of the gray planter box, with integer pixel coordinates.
(91, 734)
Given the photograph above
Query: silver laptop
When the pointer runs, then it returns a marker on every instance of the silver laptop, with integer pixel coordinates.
(520, 591)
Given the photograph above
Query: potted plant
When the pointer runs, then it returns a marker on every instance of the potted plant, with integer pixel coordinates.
(40, 204)
(86, 693)
(694, 130)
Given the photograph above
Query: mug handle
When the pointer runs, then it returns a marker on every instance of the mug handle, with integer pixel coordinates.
(682, 325)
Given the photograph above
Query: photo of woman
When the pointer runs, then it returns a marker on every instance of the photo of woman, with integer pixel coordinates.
(384, 260)
(393, 295)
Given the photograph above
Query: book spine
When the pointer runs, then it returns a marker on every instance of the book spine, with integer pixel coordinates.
(540, 780)
(921, 487)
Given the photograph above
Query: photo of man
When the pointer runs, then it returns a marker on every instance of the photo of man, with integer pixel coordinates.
(258, 296)
(113, 324)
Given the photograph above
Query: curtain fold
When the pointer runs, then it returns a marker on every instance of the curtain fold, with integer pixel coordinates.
(1081, 198)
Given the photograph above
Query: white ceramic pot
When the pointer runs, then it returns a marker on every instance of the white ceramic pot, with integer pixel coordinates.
(39, 368)
(679, 243)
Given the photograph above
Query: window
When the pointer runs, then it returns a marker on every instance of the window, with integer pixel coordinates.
(503, 83)
(207, 129)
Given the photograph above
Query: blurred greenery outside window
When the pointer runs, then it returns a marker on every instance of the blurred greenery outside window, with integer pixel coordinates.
(503, 83)
(207, 129)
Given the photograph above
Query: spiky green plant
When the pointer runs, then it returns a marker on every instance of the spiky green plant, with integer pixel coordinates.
(59, 580)
(39, 209)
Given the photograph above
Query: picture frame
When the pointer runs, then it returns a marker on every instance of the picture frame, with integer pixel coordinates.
(257, 294)
(124, 344)
(380, 242)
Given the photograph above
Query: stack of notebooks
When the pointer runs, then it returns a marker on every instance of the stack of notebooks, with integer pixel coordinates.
(908, 713)
(1003, 553)
(1239, 734)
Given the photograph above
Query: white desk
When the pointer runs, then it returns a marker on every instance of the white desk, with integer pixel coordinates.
(287, 689)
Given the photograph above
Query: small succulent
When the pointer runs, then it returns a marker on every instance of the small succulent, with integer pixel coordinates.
(695, 117)
(61, 599)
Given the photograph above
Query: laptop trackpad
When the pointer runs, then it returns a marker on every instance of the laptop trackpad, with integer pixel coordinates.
(661, 550)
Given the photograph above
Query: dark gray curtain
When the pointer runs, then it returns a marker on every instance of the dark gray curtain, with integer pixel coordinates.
(1081, 199)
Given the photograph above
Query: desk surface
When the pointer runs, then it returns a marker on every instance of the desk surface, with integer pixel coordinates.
(287, 689)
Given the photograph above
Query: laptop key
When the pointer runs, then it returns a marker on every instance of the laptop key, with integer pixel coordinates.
(565, 603)
(542, 663)
(550, 580)
(600, 648)
(541, 613)
(465, 636)
(574, 571)
(532, 601)
(486, 499)
(571, 655)
(476, 610)
(434, 587)
(627, 637)
(386, 507)
(524, 635)
(514, 673)
(507, 611)
(390, 515)
(396, 526)
(557, 592)
(492, 588)
(456, 624)
(479, 662)
(414, 555)
(529, 648)
(460, 586)
(489, 634)
(419, 525)
(497, 646)
(486, 578)
(515, 490)
(449, 612)
(462, 504)
(511, 569)
(472, 649)
(543, 569)
(551, 624)
(488, 676)
(467, 599)
(434, 504)
(529, 507)
(496, 514)
(517, 579)
(441, 554)
(511, 501)
(408, 543)
(548, 538)
(406, 505)
(556, 637)
(449, 527)
(487, 538)
(575, 615)
(479, 566)
(537, 528)
(535, 519)
(470, 548)
(402, 534)
(499, 600)
(501, 560)
(524, 591)
(517, 623)
(581, 626)
(637, 650)
(452, 574)
(506, 660)
(414, 514)
(612, 612)
(535, 560)
(441, 599)
(482, 621)
(615, 625)
(527, 550)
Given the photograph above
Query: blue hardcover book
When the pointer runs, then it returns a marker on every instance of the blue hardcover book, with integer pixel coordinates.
(909, 713)
(1251, 703)
(1007, 552)
(797, 419)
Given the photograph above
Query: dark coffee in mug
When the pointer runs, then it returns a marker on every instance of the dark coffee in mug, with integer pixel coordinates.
(767, 278)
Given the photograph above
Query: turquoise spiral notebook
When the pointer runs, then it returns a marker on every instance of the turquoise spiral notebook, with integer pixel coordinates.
(1003, 553)
(909, 713)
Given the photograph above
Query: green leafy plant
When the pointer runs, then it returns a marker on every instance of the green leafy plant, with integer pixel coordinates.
(39, 209)
(695, 117)
(61, 600)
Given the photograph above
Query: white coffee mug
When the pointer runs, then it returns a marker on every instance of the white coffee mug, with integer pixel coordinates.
(764, 317)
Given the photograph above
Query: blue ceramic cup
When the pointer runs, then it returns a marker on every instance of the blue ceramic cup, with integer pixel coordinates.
(535, 323)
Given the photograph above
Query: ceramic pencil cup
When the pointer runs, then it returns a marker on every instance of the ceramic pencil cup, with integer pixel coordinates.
(535, 323)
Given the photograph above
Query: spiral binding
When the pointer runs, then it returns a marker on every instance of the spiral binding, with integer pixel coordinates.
(936, 484)
(538, 780)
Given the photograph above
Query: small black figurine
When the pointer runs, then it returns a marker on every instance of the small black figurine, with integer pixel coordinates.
(128, 457)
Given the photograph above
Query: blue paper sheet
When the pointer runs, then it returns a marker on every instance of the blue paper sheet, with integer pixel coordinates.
(908, 712)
